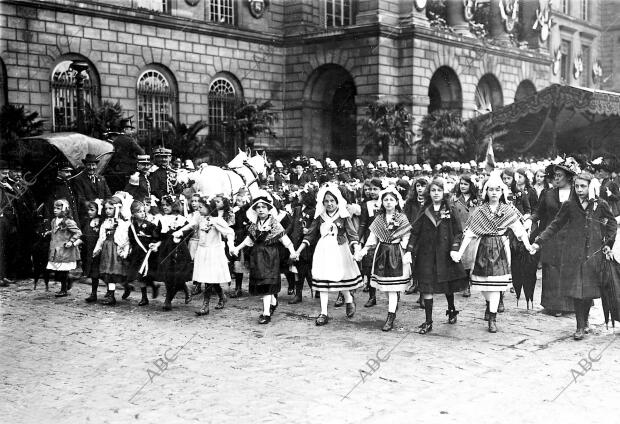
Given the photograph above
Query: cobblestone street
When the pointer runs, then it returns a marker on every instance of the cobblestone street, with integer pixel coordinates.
(65, 361)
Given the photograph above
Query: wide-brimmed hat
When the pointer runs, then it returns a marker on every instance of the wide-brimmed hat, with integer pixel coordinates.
(299, 161)
(90, 158)
(569, 165)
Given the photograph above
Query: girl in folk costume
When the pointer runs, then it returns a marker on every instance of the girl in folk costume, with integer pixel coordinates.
(175, 262)
(113, 245)
(63, 250)
(192, 243)
(240, 227)
(435, 234)
(413, 205)
(464, 200)
(554, 297)
(90, 235)
(487, 226)
(210, 261)
(264, 235)
(590, 233)
(333, 266)
(389, 234)
(370, 208)
(144, 242)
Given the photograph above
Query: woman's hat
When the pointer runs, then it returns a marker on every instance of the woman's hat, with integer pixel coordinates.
(569, 165)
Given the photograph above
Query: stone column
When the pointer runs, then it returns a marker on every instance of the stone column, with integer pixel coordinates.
(456, 16)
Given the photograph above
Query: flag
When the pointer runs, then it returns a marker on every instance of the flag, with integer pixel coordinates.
(490, 157)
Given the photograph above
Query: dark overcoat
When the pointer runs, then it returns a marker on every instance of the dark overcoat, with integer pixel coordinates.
(548, 206)
(430, 244)
(86, 191)
(586, 232)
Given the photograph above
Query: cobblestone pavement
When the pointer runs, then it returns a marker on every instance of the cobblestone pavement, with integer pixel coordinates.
(64, 361)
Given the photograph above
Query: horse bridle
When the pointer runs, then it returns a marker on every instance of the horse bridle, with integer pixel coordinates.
(252, 170)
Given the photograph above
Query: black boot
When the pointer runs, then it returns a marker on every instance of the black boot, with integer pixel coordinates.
(452, 313)
(366, 288)
(492, 322)
(586, 304)
(110, 301)
(145, 300)
(579, 315)
(204, 310)
(221, 296)
(94, 284)
(500, 307)
(238, 284)
(372, 299)
(487, 312)
(339, 300)
(299, 286)
(389, 322)
(290, 278)
(63, 288)
(351, 308)
(126, 293)
(427, 326)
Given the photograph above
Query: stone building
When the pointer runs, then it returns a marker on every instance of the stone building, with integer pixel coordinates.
(319, 61)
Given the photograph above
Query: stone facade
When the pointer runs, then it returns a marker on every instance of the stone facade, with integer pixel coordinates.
(318, 78)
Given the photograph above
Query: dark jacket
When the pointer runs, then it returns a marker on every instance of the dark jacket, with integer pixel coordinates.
(301, 180)
(366, 218)
(548, 206)
(142, 191)
(86, 191)
(430, 244)
(61, 189)
(300, 220)
(587, 231)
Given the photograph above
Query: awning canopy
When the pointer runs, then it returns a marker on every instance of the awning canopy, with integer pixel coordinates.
(557, 119)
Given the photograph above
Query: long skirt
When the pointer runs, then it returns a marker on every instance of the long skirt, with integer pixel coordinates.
(491, 270)
(389, 274)
(554, 295)
(265, 276)
(333, 267)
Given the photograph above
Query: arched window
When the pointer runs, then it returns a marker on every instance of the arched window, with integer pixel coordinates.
(156, 101)
(223, 98)
(65, 92)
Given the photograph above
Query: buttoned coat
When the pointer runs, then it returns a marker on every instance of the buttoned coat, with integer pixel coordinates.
(66, 230)
(86, 191)
(430, 244)
(586, 232)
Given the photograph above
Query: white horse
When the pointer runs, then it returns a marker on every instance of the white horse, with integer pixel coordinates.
(242, 171)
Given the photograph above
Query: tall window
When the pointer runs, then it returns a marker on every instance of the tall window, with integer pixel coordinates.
(156, 100)
(64, 96)
(565, 61)
(222, 103)
(222, 11)
(587, 66)
(156, 5)
(585, 10)
(338, 13)
(565, 6)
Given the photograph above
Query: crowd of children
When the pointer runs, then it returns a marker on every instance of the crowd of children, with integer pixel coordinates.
(339, 238)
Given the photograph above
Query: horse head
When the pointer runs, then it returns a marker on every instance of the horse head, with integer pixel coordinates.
(238, 160)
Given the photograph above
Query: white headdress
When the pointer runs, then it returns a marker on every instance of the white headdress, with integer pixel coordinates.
(334, 191)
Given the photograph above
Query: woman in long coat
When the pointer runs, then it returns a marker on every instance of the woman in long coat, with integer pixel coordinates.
(434, 234)
(590, 230)
(554, 297)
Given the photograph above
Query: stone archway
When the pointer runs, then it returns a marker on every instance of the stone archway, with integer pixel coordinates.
(525, 89)
(330, 114)
(444, 91)
(489, 96)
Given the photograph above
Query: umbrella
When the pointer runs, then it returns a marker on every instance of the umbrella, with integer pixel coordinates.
(558, 118)
(610, 291)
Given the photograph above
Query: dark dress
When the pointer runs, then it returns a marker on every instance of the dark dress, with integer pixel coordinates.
(433, 236)
(175, 262)
(554, 296)
(90, 235)
(587, 231)
(265, 261)
(367, 216)
(146, 233)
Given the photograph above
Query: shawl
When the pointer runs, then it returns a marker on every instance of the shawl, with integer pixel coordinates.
(272, 226)
(484, 222)
(393, 231)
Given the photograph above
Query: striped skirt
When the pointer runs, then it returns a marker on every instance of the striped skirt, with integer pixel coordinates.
(388, 272)
(491, 270)
(333, 267)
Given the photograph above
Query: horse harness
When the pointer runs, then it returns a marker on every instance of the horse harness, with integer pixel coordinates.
(245, 181)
